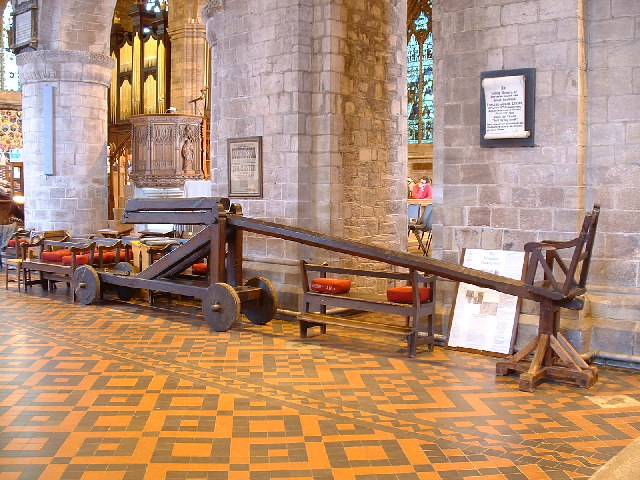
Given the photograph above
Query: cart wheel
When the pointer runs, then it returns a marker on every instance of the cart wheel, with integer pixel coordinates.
(125, 293)
(86, 284)
(221, 307)
(265, 309)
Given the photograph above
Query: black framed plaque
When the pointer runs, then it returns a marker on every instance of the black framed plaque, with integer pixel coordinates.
(507, 108)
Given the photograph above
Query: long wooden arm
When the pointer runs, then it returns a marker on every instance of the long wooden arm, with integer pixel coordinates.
(424, 264)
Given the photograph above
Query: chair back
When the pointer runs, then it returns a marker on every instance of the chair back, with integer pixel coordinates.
(413, 212)
(426, 220)
(6, 232)
(572, 278)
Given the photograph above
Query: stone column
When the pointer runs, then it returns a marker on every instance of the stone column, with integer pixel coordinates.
(188, 66)
(74, 197)
(324, 84)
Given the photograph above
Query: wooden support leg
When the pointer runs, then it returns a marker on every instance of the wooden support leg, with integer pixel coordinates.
(554, 356)
(536, 369)
(411, 344)
(303, 328)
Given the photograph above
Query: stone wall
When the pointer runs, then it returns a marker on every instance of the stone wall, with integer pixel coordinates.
(188, 56)
(614, 136)
(74, 198)
(586, 58)
(614, 170)
(323, 84)
(75, 25)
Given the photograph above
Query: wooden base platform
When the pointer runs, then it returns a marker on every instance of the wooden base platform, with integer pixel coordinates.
(554, 357)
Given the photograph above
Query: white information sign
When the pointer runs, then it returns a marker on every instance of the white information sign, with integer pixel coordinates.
(22, 26)
(484, 319)
(504, 99)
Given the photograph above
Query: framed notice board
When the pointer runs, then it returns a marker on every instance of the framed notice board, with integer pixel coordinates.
(481, 318)
(245, 166)
(507, 108)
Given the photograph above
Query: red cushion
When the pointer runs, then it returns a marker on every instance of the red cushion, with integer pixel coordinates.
(330, 285)
(51, 256)
(405, 294)
(12, 242)
(123, 255)
(107, 257)
(80, 259)
(200, 269)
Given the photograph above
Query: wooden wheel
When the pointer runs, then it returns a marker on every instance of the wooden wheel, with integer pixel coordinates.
(265, 309)
(124, 269)
(86, 284)
(221, 307)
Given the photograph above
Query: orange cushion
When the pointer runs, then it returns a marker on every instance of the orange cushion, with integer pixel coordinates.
(200, 269)
(51, 256)
(80, 259)
(330, 285)
(405, 294)
(107, 257)
(12, 242)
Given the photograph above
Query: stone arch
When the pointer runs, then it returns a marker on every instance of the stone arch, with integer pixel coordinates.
(78, 25)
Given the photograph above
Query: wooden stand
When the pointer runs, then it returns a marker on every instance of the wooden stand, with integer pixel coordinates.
(554, 356)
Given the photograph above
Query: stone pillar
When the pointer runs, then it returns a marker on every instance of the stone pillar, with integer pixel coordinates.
(324, 84)
(74, 197)
(188, 66)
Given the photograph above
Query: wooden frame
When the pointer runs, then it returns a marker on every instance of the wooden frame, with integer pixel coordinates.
(418, 326)
(24, 33)
(244, 160)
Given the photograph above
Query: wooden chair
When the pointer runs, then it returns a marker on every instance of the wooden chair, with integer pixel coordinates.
(413, 212)
(6, 232)
(554, 356)
(422, 229)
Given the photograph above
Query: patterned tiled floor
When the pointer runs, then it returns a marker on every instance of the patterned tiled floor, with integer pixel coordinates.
(120, 391)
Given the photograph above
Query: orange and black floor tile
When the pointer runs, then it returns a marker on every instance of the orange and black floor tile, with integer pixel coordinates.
(125, 391)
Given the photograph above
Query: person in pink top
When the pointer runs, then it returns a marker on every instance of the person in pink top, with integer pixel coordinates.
(422, 189)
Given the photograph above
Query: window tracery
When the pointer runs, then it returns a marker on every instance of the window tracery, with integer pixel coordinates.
(420, 71)
(9, 78)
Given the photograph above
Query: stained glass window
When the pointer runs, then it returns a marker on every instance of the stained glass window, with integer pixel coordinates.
(420, 71)
(156, 5)
(9, 78)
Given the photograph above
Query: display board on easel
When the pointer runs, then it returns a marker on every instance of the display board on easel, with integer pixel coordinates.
(481, 318)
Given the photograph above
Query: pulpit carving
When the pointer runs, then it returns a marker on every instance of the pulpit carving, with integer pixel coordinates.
(166, 150)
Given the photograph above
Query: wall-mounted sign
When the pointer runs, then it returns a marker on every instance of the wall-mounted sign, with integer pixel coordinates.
(245, 167)
(507, 106)
(25, 26)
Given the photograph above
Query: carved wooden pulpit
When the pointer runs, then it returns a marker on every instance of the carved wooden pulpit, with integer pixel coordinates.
(166, 150)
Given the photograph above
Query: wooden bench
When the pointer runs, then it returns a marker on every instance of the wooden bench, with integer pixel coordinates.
(418, 325)
(99, 252)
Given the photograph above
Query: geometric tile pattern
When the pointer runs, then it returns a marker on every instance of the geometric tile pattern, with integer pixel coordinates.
(123, 391)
